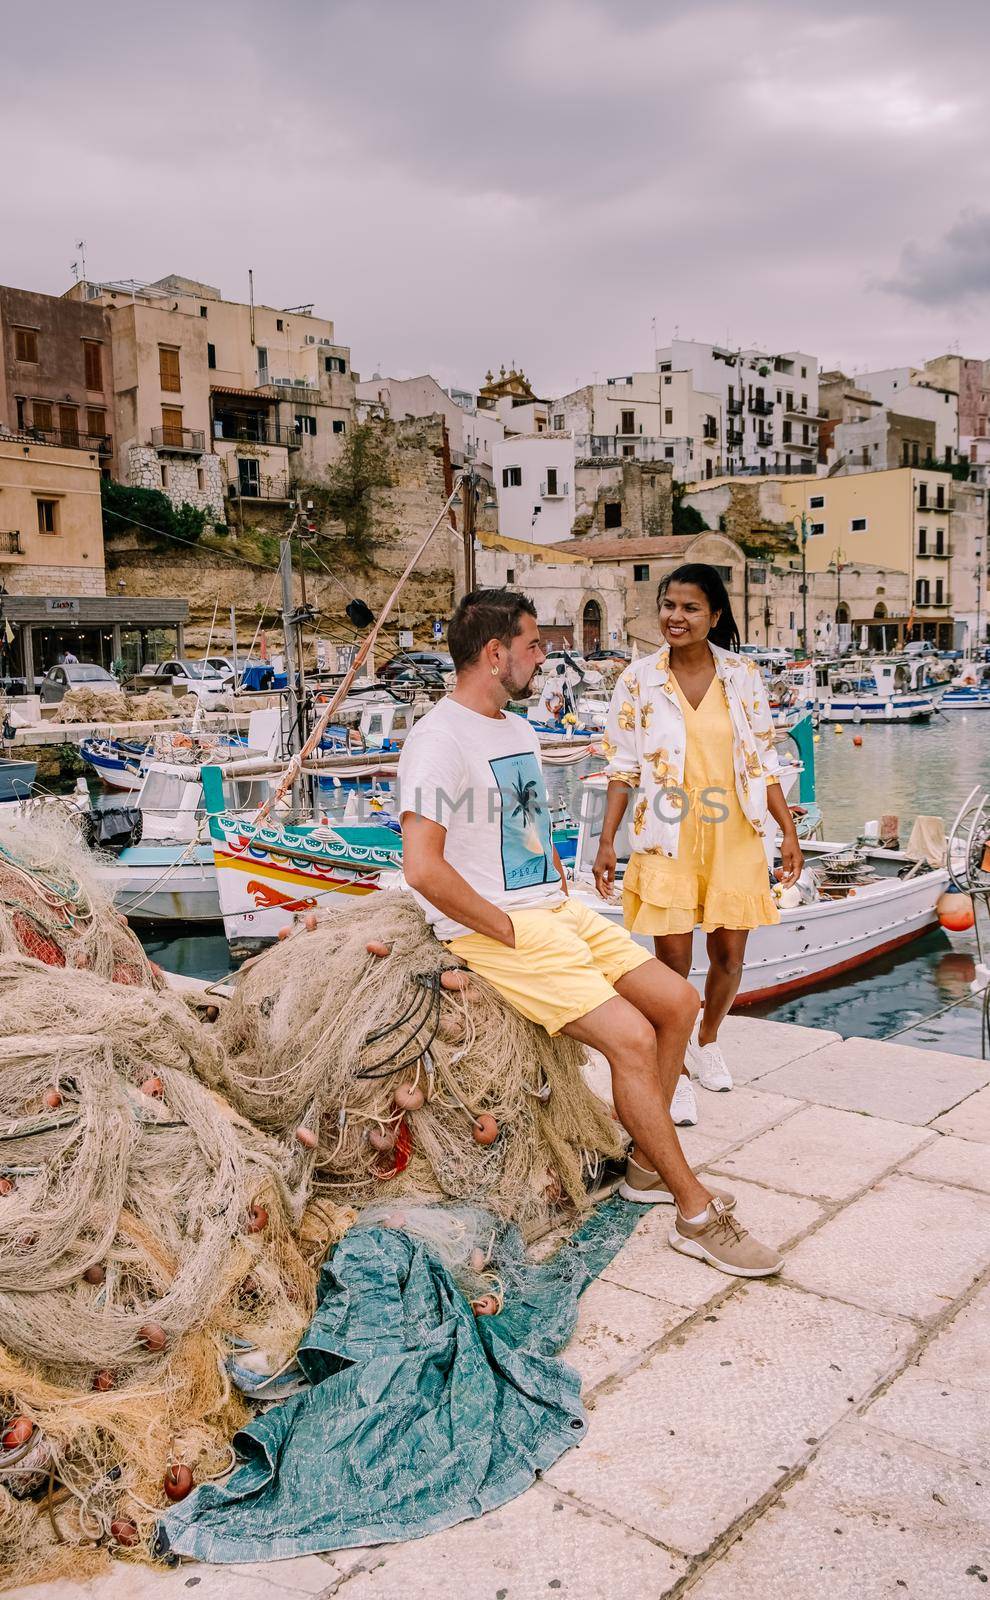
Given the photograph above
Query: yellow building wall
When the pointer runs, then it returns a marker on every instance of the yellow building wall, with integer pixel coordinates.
(885, 499)
(137, 331)
(70, 478)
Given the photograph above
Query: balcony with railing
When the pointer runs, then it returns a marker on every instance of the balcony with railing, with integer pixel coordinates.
(10, 542)
(764, 440)
(947, 503)
(554, 491)
(734, 406)
(178, 441)
(761, 408)
(617, 446)
(251, 430)
(63, 439)
(734, 438)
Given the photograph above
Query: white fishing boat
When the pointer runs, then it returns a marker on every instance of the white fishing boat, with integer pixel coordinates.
(970, 691)
(167, 873)
(118, 763)
(886, 689)
(871, 902)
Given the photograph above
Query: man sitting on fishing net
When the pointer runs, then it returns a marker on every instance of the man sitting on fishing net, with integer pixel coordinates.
(478, 855)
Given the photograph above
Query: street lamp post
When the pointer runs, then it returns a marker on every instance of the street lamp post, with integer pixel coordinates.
(838, 556)
(804, 581)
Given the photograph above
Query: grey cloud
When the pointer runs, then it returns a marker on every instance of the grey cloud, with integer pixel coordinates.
(952, 272)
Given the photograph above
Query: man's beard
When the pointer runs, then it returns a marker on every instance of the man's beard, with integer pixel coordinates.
(516, 691)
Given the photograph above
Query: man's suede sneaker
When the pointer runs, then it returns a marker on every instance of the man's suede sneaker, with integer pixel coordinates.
(724, 1243)
(647, 1188)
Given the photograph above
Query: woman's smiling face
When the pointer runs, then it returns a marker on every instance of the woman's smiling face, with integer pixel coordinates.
(685, 615)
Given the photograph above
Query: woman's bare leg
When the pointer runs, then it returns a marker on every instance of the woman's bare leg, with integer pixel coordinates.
(726, 954)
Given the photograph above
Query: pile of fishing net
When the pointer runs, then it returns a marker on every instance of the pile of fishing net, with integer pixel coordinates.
(171, 1177)
(143, 1227)
(87, 704)
(403, 1075)
(52, 906)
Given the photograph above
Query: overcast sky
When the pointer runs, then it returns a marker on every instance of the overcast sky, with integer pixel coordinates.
(458, 185)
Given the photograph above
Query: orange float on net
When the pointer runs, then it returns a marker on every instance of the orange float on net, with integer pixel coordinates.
(16, 1432)
(257, 1219)
(178, 1481)
(410, 1097)
(484, 1129)
(454, 979)
(307, 1138)
(375, 947)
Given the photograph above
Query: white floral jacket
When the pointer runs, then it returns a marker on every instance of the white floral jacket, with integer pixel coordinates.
(645, 739)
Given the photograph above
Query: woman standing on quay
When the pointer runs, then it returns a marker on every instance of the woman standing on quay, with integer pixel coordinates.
(689, 730)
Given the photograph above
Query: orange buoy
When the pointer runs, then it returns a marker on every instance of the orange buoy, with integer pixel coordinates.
(485, 1306)
(955, 911)
(52, 1099)
(283, 933)
(484, 1129)
(95, 1273)
(375, 947)
(381, 1139)
(103, 1381)
(257, 1219)
(307, 1138)
(857, 739)
(16, 1432)
(153, 1087)
(7, 1186)
(310, 921)
(124, 1531)
(211, 1013)
(153, 1336)
(409, 1097)
(178, 1481)
(455, 979)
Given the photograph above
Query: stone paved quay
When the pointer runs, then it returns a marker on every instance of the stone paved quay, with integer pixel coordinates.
(825, 1433)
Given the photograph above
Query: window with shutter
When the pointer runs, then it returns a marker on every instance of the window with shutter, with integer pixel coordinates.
(96, 424)
(168, 368)
(41, 411)
(68, 424)
(26, 344)
(93, 361)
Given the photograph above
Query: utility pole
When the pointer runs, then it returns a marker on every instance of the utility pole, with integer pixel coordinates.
(837, 556)
(469, 496)
(288, 623)
(804, 582)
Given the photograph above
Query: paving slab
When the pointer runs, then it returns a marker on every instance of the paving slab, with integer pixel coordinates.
(951, 1160)
(615, 1327)
(726, 1118)
(960, 1352)
(892, 1081)
(714, 1419)
(929, 1410)
(821, 1151)
(647, 1264)
(754, 1045)
(872, 1519)
(193, 1580)
(906, 1248)
(539, 1547)
(970, 1119)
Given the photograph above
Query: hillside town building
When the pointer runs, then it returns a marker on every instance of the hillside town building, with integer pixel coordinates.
(769, 402)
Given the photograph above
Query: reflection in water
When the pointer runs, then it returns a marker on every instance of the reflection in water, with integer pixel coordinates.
(905, 770)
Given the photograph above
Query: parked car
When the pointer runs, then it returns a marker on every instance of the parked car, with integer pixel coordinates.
(557, 659)
(74, 675)
(920, 647)
(410, 664)
(193, 677)
(613, 653)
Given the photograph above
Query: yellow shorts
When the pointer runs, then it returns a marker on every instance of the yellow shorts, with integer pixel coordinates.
(565, 961)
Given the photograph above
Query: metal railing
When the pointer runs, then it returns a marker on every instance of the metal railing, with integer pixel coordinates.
(734, 408)
(259, 491)
(614, 446)
(733, 438)
(764, 440)
(180, 441)
(63, 438)
(947, 503)
(257, 432)
(560, 491)
(10, 542)
(761, 408)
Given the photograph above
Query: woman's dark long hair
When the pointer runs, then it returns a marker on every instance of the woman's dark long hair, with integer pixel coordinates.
(725, 631)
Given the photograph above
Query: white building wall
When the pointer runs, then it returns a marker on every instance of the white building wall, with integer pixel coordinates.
(906, 390)
(646, 416)
(400, 398)
(527, 509)
(772, 389)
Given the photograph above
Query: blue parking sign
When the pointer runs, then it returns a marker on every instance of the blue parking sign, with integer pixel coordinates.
(437, 628)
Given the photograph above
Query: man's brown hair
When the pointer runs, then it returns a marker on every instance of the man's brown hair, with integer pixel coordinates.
(482, 615)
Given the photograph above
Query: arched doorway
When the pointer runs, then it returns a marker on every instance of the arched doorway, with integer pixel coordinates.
(880, 612)
(591, 626)
(842, 614)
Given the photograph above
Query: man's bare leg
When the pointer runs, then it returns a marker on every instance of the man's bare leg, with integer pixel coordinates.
(628, 1041)
(674, 950)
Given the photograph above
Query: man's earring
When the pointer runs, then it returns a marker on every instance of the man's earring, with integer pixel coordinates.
(494, 672)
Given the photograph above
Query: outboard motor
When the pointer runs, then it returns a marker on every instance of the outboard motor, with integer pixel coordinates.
(113, 829)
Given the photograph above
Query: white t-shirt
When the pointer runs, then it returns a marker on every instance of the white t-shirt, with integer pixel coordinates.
(481, 778)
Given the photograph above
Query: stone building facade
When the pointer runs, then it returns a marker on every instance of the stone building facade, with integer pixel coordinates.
(623, 499)
(198, 483)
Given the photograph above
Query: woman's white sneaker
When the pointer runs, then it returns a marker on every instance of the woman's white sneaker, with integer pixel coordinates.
(684, 1106)
(707, 1064)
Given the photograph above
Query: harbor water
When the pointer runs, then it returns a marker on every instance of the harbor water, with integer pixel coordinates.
(906, 770)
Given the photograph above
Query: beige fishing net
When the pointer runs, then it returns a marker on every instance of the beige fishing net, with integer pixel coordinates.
(86, 704)
(170, 1180)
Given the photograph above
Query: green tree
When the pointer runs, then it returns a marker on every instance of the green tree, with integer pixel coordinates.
(686, 519)
(347, 493)
(150, 512)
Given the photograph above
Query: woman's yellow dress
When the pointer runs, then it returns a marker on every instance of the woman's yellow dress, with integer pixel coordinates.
(719, 877)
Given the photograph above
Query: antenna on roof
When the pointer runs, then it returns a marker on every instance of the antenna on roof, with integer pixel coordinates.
(79, 266)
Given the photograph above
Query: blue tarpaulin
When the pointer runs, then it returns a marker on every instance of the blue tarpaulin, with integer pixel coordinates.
(420, 1414)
